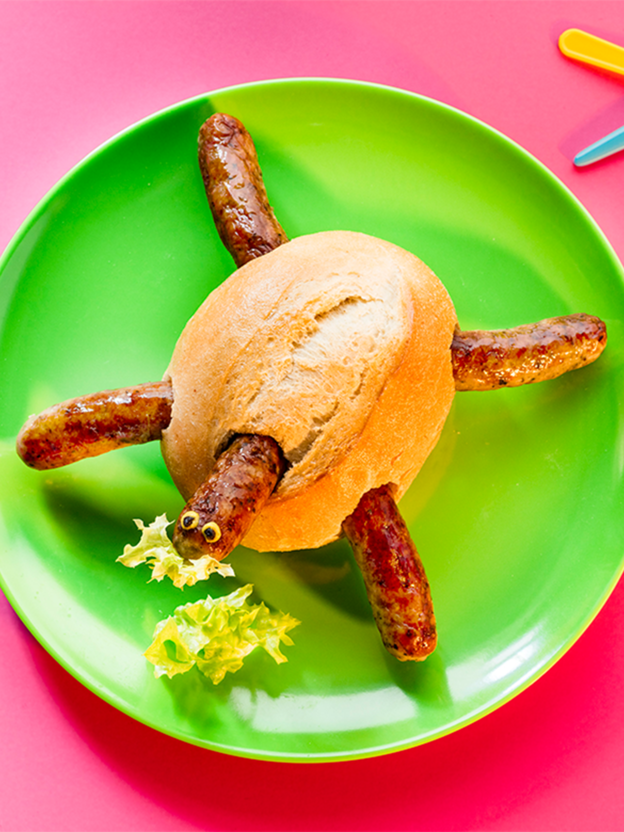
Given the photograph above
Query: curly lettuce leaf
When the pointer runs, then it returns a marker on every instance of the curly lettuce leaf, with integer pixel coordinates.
(216, 634)
(155, 549)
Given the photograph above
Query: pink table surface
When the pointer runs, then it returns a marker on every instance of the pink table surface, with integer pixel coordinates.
(74, 73)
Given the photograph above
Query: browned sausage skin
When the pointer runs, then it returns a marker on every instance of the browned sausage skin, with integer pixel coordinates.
(221, 511)
(395, 580)
(526, 354)
(235, 190)
(95, 424)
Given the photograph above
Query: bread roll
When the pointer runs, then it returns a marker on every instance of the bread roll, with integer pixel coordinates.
(335, 344)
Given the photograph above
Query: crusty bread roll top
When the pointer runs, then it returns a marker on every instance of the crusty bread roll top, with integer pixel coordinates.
(335, 344)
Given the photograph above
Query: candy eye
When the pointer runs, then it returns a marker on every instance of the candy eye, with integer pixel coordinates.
(189, 520)
(211, 532)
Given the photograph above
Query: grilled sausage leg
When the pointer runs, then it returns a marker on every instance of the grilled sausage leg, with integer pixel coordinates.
(94, 424)
(394, 577)
(526, 354)
(235, 190)
(221, 511)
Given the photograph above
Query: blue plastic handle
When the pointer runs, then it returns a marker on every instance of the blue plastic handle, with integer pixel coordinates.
(604, 147)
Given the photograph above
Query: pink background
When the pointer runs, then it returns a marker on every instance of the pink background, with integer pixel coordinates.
(74, 73)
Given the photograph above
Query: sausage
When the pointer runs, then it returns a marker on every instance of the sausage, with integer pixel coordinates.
(220, 512)
(526, 354)
(94, 424)
(394, 577)
(235, 190)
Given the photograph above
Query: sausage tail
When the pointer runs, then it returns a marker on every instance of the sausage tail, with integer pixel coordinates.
(236, 193)
(489, 360)
(394, 577)
(219, 514)
(95, 424)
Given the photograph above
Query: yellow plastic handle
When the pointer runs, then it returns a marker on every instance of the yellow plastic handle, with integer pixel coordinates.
(592, 50)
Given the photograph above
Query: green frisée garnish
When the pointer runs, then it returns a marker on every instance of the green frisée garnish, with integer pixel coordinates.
(156, 549)
(216, 634)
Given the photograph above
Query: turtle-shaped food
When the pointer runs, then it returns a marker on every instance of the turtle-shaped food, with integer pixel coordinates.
(307, 391)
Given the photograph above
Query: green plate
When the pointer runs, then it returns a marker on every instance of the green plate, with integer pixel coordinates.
(517, 513)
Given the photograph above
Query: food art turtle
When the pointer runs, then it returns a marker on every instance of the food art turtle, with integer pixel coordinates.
(309, 412)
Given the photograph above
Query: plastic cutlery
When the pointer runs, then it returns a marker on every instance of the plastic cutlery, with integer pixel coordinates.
(589, 49)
